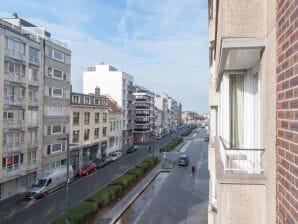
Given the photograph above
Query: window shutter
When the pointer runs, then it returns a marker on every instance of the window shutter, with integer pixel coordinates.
(50, 91)
(64, 76)
(64, 128)
(63, 146)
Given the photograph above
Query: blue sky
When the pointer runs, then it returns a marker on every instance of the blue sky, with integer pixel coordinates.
(162, 43)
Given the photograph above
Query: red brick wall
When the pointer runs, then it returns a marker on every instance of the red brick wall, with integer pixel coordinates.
(287, 111)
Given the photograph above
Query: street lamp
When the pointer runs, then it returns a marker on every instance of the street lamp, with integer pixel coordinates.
(67, 177)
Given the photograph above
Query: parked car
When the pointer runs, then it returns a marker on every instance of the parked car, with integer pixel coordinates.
(207, 139)
(115, 156)
(100, 163)
(47, 182)
(86, 169)
(132, 149)
(159, 137)
(183, 160)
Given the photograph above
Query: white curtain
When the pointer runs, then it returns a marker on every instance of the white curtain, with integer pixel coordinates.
(237, 113)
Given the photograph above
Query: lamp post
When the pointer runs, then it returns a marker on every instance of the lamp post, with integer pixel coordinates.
(67, 177)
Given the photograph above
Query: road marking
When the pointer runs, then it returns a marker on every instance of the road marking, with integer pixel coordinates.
(185, 147)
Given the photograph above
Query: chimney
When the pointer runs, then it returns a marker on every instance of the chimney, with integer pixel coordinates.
(97, 91)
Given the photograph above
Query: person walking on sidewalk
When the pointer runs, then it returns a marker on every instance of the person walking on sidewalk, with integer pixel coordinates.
(193, 170)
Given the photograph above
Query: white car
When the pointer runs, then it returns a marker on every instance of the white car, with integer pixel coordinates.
(115, 156)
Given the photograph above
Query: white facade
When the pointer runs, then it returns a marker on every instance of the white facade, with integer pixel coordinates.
(119, 86)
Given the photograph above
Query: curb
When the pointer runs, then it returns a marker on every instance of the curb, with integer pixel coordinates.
(157, 170)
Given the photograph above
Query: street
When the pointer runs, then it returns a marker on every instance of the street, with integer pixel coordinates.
(182, 198)
(46, 209)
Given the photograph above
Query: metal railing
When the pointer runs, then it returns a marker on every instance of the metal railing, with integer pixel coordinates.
(32, 143)
(34, 60)
(32, 164)
(15, 54)
(13, 123)
(33, 82)
(13, 170)
(241, 160)
(32, 122)
(13, 147)
(15, 77)
(14, 100)
(33, 101)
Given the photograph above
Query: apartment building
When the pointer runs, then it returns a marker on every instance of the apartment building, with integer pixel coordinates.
(25, 57)
(144, 115)
(89, 127)
(158, 122)
(118, 85)
(242, 102)
(161, 103)
(115, 126)
(173, 109)
(189, 117)
(180, 114)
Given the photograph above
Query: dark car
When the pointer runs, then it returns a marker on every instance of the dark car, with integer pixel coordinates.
(132, 149)
(86, 169)
(183, 160)
(207, 139)
(100, 163)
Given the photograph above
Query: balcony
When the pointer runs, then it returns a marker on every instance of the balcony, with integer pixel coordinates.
(32, 165)
(13, 124)
(32, 123)
(11, 172)
(32, 143)
(34, 60)
(17, 78)
(14, 54)
(12, 147)
(33, 82)
(14, 100)
(33, 102)
(241, 160)
(130, 125)
(131, 107)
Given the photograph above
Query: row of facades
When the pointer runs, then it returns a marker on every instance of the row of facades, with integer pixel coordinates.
(253, 100)
(40, 111)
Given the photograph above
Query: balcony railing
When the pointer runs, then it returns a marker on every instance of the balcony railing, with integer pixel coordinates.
(32, 164)
(32, 143)
(33, 82)
(32, 122)
(11, 171)
(14, 77)
(14, 100)
(13, 123)
(33, 102)
(15, 54)
(241, 160)
(34, 60)
(13, 147)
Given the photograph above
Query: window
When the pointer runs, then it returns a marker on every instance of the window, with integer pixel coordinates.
(87, 118)
(104, 102)
(31, 157)
(57, 92)
(57, 129)
(96, 101)
(56, 111)
(87, 100)
(33, 54)
(14, 45)
(96, 133)
(55, 54)
(104, 131)
(86, 134)
(56, 74)
(8, 115)
(76, 99)
(75, 118)
(104, 117)
(14, 68)
(111, 126)
(32, 74)
(56, 148)
(96, 118)
(75, 136)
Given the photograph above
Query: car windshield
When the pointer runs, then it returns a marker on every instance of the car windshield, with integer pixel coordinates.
(39, 183)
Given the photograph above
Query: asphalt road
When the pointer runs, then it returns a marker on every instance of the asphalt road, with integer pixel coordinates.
(46, 209)
(183, 198)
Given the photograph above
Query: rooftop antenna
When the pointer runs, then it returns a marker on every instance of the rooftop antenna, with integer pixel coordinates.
(101, 62)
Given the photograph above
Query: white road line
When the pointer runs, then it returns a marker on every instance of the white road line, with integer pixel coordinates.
(185, 147)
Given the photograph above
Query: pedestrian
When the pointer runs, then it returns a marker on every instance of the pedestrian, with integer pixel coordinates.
(193, 169)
